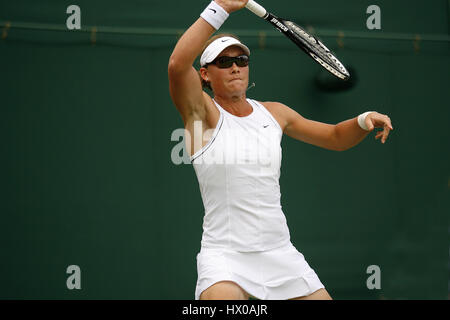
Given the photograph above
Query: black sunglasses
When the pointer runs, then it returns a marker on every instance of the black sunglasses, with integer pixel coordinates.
(226, 62)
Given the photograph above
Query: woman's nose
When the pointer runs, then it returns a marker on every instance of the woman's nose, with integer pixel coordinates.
(234, 67)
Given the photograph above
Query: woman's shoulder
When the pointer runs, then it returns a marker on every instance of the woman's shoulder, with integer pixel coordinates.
(275, 107)
(271, 104)
(277, 110)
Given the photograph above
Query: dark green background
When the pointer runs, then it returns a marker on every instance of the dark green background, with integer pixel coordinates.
(86, 171)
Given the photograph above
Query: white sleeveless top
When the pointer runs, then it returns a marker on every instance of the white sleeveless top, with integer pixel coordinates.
(238, 172)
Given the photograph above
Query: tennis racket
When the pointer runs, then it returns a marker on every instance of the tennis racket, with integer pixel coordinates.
(308, 43)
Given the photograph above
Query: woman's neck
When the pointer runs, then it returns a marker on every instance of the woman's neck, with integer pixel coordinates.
(237, 106)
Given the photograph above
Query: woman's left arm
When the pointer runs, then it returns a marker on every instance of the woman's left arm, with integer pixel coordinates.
(339, 137)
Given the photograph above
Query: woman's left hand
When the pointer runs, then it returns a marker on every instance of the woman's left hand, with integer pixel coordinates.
(378, 120)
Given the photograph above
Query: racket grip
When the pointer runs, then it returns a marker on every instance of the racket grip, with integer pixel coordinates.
(256, 8)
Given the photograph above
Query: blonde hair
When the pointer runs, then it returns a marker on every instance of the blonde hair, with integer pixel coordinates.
(206, 84)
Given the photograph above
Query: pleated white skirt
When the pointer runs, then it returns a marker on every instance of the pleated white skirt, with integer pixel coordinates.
(276, 274)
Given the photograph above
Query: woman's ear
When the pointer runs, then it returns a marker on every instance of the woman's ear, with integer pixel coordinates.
(204, 74)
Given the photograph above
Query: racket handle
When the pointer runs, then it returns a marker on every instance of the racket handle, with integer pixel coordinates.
(256, 8)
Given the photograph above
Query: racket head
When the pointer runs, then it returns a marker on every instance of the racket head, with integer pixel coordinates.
(311, 45)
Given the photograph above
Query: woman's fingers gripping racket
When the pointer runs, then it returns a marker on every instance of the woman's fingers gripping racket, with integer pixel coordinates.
(231, 5)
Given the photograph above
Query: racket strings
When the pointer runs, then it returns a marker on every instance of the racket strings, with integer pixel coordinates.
(322, 54)
(327, 66)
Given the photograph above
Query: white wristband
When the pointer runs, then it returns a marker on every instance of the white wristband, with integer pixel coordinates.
(215, 15)
(362, 120)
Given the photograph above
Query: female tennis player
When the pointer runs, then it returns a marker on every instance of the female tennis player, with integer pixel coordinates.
(236, 153)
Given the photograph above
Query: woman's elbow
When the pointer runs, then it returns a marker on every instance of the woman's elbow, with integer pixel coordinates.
(173, 65)
(336, 148)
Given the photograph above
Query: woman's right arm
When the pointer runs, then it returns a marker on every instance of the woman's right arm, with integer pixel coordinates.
(184, 83)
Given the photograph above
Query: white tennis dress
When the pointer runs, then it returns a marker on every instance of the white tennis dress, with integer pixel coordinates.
(245, 235)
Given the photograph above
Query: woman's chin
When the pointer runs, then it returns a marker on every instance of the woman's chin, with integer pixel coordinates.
(238, 85)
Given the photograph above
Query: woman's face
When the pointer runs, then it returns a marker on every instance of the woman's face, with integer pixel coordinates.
(229, 82)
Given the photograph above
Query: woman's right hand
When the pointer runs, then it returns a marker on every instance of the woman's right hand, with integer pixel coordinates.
(231, 5)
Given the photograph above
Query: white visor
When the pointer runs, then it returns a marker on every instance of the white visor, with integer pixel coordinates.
(217, 46)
